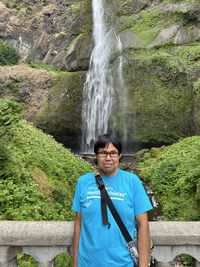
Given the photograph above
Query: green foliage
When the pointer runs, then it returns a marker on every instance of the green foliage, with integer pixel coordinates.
(8, 54)
(148, 23)
(76, 8)
(187, 260)
(9, 117)
(38, 175)
(9, 111)
(188, 56)
(174, 174)
(62, 260)
(12, 3)
(24, 260)
(19, 4)
(40, 65)
(14, 86)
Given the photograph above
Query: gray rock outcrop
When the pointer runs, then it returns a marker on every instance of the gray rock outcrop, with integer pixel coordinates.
(42, 30)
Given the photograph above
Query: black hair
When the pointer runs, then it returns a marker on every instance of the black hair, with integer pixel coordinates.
(105, 140)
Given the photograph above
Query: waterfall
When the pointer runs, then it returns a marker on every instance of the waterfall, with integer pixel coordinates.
(98, 92)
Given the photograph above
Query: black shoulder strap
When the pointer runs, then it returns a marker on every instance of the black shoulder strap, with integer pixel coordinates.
(108, 201)
(103, 191)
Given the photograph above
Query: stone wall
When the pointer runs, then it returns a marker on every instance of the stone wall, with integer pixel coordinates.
(45, 240)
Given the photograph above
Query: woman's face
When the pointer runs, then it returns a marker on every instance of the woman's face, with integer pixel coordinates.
(108, 163)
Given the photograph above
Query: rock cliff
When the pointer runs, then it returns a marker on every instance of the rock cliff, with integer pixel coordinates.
(161, 66)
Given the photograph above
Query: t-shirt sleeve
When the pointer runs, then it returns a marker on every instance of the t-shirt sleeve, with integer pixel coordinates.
(141, 200)
(76, 206)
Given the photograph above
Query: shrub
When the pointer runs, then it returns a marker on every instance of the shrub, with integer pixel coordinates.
(37, 175)
(12, 4)
(8, 54)
(173, 173)
(9, 116)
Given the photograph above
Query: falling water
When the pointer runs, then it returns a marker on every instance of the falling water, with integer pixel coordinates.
(97, 92)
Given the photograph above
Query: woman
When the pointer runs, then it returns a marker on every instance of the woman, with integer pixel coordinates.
(96, 244)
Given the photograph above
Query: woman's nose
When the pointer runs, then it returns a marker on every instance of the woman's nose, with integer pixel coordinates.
(108, 157)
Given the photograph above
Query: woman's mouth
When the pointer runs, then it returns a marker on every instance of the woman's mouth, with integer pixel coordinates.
(108, 165)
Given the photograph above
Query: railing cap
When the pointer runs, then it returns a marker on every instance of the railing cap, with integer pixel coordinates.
(53, 233)
(175, 233)
(35, 233)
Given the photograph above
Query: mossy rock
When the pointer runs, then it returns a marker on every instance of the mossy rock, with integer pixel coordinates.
(160, 98)
(78, 53)
(128, 7)
(61, 115)
(149, 23)
(188, 56)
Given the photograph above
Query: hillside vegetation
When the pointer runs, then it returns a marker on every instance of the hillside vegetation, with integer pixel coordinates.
(37, 175)
(173, 173)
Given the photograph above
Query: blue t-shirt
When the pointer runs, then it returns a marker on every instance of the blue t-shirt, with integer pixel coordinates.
(100, 246)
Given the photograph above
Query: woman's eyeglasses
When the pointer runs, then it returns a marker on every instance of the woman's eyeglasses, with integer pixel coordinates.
(104, 154)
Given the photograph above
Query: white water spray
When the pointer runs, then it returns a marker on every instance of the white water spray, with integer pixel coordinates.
(97, 92)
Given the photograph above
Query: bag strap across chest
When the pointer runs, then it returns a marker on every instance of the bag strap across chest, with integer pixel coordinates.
(106, 201)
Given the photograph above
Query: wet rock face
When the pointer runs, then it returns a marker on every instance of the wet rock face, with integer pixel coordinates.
(160, 70)
(61, 114)
(78, 54)
(158, 99)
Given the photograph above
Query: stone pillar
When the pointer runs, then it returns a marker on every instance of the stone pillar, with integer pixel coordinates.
(197, 264)
(13, 262)
(8, 256)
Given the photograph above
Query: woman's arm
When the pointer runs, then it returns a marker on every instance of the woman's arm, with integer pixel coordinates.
(143, 239)
(77, 230)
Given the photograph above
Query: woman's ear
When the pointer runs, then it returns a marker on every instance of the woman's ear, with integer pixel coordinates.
(95, 161)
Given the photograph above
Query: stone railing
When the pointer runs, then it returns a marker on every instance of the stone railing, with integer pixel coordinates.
(45, 240)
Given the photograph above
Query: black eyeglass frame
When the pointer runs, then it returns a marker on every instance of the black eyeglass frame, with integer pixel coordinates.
(112, 154)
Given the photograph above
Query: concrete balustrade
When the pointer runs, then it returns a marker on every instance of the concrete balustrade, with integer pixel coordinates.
(45, 240)
(174, 238)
